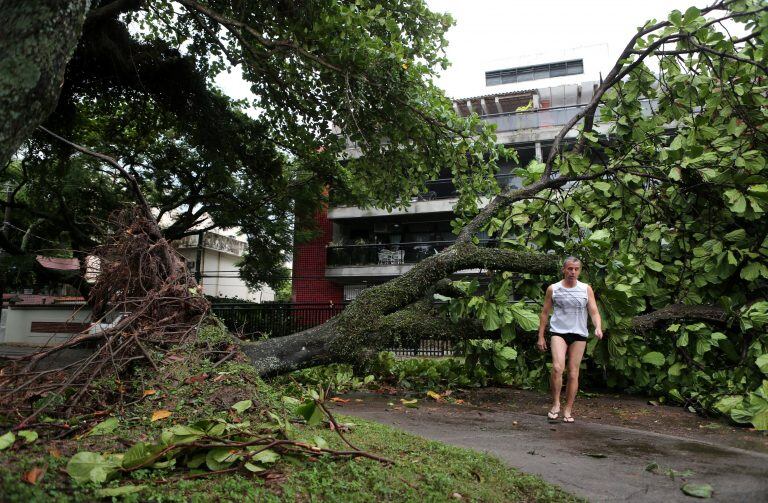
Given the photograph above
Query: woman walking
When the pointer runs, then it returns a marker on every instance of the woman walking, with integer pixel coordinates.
(571, 300)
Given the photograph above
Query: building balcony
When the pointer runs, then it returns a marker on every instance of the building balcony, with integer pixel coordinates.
(383, 254)
(440, 197)
(212, 241)
(372, 262)
(533, 119)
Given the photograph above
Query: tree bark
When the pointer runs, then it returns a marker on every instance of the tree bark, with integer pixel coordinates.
(675, 312)
(37, 40)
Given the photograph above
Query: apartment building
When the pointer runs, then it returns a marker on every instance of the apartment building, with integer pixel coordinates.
(356, 247)
(213, 258)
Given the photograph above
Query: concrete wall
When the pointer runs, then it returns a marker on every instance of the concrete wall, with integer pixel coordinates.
(17, 326)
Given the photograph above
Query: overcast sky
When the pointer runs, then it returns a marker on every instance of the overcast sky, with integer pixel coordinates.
(492, 34)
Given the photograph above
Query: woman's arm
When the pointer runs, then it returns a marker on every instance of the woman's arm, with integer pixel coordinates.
(541, 343)
(594, 313)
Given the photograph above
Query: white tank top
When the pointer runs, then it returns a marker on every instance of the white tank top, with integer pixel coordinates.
(570, 309)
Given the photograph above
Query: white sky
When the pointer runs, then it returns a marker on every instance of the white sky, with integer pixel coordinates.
(491, 34)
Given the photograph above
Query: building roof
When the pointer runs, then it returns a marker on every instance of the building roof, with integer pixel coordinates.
(494, 95)
(58, 263)
(39, 300)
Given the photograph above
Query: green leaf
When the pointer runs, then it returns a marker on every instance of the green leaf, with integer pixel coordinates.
(90, 466)
(500, 363)
(197, 460)
(727, 403)
(490, 317)
(138, 455)
(320, 442)
(105, 427)
(219, 458)
(267, 456)
(653, 265)
(654, 358)
(7, 440)
(526, 319)
(697, 490)
(507, 353)
(736, 200)
(118, 491)
(310, 412)
(442, 298)
(600, 236)
(29, 436)
(751, 271)
(253, 468)
(242, 406)
(761, 362)
(741, 415)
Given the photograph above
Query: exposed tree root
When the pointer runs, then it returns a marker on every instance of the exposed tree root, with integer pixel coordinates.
(145, 283)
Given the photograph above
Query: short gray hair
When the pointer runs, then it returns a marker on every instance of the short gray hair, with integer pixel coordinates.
(571, 258)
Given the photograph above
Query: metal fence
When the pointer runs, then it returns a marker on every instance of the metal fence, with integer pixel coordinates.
(254, 321)
(427, 347)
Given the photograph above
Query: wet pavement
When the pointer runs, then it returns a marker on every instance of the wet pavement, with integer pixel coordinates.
(589, 459)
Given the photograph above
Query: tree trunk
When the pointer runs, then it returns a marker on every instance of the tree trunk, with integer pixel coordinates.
(37, 39)
(376, 319)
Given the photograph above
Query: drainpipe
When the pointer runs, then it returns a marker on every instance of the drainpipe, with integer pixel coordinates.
(6, 223)
(199, 258)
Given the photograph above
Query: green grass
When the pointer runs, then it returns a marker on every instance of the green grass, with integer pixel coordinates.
(423, 471)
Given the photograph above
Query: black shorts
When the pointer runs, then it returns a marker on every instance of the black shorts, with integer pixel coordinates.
(569, 338)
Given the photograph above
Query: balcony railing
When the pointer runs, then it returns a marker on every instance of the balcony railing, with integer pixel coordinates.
(387, 254)
(543, 117)
(533, 119)
(384, 254)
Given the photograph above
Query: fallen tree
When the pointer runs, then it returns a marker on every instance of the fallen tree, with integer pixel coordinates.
(591, 164)
(663, 195)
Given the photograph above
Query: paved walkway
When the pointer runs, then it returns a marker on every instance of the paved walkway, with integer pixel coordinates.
(559, 452)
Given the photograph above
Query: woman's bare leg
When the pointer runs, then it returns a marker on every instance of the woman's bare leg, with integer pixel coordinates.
(575, 353)
(558, 347)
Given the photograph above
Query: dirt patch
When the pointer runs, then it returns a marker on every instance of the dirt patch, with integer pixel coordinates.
(627, 411)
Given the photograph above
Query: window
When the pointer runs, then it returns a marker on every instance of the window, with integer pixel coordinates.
(536, 72)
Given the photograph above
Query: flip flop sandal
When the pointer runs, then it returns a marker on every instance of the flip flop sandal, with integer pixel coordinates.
(568, 419)
(553, 415)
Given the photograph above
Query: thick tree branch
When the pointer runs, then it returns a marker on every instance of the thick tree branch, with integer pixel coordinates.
(676, 312)
(133, 184)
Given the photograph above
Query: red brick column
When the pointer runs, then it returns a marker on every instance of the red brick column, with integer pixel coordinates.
(309, 261)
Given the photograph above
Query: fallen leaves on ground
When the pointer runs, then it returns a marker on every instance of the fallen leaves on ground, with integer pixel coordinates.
(197, 378)
(697, 490)
(160, 414)
(339, 400)
(436, 396)
(34, 475)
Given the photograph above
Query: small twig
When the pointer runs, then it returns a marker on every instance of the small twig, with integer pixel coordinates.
(146, 354)
(229, 355)
(335, 425)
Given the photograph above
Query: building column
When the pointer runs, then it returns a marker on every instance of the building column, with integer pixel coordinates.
(539, 155)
